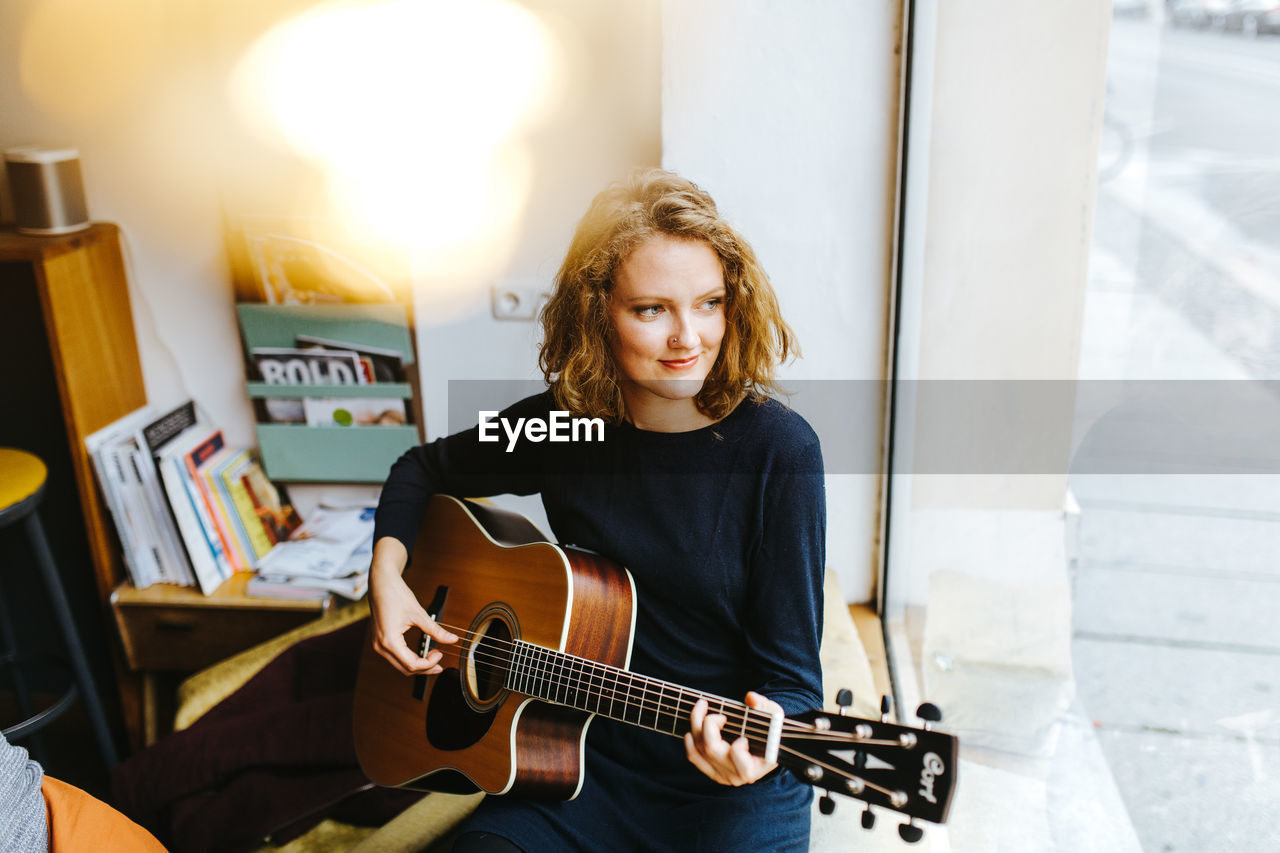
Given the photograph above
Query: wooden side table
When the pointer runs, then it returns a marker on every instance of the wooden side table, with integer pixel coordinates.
(173, 629)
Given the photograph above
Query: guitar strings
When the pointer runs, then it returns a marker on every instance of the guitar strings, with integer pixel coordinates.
(538, 668)
(578, 680)
(840, 772)
(609, 689)
(679, 710)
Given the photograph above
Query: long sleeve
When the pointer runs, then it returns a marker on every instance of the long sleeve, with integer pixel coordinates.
(460, 465)
(785, 604)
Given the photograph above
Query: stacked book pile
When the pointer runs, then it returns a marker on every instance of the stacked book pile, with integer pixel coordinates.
(330, 553)
(189, 509)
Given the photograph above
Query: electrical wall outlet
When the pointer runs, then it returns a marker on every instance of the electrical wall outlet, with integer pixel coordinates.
(517, 300)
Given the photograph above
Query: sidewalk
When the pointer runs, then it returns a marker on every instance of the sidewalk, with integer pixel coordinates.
(1176, 582)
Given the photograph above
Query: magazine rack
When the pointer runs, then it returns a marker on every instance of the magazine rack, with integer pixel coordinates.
(295, 453)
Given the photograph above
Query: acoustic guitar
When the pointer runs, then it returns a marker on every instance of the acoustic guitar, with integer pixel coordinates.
(545, 634)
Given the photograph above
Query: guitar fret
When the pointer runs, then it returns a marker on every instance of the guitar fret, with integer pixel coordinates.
(530, 665)
(534, 671)
(634, 701)
(581, 688)
(531, 673)
(561, 692)
(514, 668)
(658, 710)
(550, 684)
(597, 685)
(531, 670)
(570, 693)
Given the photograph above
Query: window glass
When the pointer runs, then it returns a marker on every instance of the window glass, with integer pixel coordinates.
(1126, 697)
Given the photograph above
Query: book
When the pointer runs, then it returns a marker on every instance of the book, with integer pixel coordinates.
(260, 533)
(279, 518)
(211, 470)
(174, 560)
(208, 560)
(194, 458)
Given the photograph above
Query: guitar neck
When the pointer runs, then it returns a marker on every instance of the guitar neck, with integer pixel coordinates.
(628, 697)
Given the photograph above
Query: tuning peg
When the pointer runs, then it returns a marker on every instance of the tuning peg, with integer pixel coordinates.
(910, 833)
(868, 818)
(844, 698)
(826, 804)
(886, 705)
(930, 713)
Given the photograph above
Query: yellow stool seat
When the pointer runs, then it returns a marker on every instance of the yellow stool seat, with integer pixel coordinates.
(22, 475)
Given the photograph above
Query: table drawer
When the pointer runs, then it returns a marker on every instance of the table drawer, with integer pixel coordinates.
(191, 638)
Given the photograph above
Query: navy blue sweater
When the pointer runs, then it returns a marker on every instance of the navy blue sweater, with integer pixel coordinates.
(723, 529)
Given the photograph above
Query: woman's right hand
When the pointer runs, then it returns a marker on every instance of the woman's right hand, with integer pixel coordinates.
(394, 610)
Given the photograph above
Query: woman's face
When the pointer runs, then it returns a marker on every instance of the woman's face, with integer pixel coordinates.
(668, 318)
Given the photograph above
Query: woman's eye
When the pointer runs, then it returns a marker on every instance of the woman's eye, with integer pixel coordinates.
(649, 311)
(712, 304)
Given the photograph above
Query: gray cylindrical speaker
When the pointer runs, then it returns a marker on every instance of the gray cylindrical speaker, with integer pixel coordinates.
(47, 190)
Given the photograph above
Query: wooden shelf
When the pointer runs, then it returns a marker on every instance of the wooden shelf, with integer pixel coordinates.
(231, 594)
(83, 298)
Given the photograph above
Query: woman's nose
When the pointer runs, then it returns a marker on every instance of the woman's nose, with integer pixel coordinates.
(686, 331)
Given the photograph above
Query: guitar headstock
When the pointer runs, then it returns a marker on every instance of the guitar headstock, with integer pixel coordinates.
(907, 770)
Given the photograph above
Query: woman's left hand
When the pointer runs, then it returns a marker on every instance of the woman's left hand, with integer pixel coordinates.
(726, 763)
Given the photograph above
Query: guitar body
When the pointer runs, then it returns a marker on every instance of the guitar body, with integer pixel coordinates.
(491, 578)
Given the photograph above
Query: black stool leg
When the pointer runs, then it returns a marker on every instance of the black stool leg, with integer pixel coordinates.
(80, 666)
(25, 708)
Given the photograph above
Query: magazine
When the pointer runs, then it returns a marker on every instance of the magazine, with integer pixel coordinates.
(149, 540)
(331, 552)
(384, 365)
(284, 366)
(353, 411)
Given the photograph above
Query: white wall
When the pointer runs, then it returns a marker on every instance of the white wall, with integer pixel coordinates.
(131, 92)
(607, 123)
(787, 114)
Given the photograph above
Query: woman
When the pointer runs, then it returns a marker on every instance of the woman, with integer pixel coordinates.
(662, 323)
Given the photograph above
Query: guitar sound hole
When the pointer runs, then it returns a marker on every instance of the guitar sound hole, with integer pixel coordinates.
(489, 660)
(451, 724)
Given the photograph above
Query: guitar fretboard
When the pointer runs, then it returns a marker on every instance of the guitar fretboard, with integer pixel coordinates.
(618, 694)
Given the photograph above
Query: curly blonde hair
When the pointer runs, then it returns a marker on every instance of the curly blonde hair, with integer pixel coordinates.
(576, 354)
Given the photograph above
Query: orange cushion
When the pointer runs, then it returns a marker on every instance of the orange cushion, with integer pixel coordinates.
(79, 821)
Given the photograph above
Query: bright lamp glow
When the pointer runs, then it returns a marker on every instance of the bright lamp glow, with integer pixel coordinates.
(412, 109)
